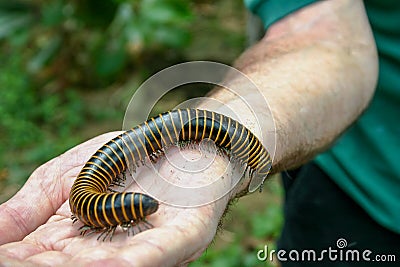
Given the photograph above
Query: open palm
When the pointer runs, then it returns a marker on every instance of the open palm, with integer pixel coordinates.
(36, 226)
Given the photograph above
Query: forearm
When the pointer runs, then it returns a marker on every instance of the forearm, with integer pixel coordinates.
(317, 69)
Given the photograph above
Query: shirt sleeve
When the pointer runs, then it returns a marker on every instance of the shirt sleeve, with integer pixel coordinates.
(271, 11)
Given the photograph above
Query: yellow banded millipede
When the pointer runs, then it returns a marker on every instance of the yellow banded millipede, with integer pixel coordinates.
(100, 210)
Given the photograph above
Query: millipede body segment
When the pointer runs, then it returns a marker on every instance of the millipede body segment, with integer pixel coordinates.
(100, 210)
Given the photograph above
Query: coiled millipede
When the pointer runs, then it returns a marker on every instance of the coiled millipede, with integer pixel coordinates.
(100, 210)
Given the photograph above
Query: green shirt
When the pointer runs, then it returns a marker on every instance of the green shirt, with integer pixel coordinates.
(365, 161)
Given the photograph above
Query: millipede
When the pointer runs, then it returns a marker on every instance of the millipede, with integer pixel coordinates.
(101, 209)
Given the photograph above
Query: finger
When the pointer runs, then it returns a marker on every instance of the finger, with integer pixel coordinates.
(44, 247)
(166, 246)
(45, 191)
(179, 236)
(7, 261)
(57, 242)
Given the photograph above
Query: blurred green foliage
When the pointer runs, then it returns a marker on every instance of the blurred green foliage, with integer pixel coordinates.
(88, 42)
(50, 48)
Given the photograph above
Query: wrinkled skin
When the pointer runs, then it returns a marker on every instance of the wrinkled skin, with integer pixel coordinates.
(36, 226)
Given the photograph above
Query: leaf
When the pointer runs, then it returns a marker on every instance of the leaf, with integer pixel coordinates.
(166, 11)
(171, 37)
(268, 224)
(52, 13)
(111, 58)
(45, 54)
(12, 22)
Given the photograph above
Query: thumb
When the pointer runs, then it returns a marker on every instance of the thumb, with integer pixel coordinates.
(45, 191)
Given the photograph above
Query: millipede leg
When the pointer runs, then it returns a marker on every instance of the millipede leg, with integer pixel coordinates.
(118, 181)
(132, 228)
(138, 226)
(112, 190)
(108, 232)
(105, 232)
(74, 219)
(112, 232)
(85, 228)
(153, 157)
(100, 235)
(147, 224)
(261, 187)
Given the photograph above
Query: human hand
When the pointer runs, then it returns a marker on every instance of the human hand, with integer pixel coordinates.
(36, 228)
